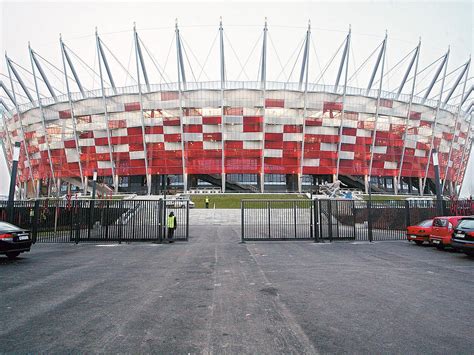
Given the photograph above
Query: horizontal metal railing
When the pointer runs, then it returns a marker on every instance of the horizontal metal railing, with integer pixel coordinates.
(233, 85)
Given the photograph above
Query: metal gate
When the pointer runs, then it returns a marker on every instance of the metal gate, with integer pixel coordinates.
(100, 220)
(277, 220)
(363, 220)
(337, 220)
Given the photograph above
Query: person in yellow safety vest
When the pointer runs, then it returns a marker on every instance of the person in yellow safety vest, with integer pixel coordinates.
(207, 202)
(32, 214)
(171, 224)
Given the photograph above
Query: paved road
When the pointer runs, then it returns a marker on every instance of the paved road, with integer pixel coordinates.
(214, 216)
(213, 295)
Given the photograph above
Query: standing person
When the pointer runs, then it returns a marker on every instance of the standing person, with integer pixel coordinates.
(207, 202)
(171, 224)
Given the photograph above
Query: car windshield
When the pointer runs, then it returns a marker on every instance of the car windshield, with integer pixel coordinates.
(466, 224)
(426, 223)
(4, 226)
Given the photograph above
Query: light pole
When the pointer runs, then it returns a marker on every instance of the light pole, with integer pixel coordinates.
(11, 194)
(439, 198)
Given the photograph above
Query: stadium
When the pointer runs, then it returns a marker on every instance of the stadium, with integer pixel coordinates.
(254, 136)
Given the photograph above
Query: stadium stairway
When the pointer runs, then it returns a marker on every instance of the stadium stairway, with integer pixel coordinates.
(100, 188)
(357, 183)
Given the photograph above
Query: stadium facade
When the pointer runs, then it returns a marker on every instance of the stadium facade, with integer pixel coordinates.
(260, 135)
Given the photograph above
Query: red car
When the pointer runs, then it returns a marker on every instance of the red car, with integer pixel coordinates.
(420, 232)
(442, 230)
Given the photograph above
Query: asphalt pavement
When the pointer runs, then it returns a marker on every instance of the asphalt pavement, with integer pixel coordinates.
(213, 295)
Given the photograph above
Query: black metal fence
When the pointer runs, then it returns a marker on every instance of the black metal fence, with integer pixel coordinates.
(334, 220)
(60, 221)
(277, 219)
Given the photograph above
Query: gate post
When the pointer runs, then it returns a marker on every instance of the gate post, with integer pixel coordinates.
(35, 222)
(160, 220)
(407, 213)
(70, 206)
(161, 211)
(369, 220)
(269, 216)
(294, 218)
(330, 220)
(320, 221)
(187, 220)
(107, 219)
(316, 223)
(121, 222)
(354, 218)
(78, 220)
(91, 216)
(311, 221)
(242, 222)
(134, 211)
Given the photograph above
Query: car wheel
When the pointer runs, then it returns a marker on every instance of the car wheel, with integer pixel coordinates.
(12, 255)
(183, 206)
(440, 246)
(418, 242)
(469, 253)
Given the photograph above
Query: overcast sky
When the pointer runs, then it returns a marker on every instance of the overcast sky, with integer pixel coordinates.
(439, 24)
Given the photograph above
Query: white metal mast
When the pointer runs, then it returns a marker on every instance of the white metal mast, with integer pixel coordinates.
(139, 60)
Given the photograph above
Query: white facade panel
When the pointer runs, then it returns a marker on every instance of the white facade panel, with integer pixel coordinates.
(420, 153)
(273, 153)
(348, 139)
(292, 137)
(328, 147)
(390, 165)
(252, 145)
(137, 155)
(100, 149)
(274, 128)
(346, 155)
(104, 164)
(212, 145)
(100, 134)
(154, 138)
(86, 142)
(171, 129)
(380, 150)
(193, 137)
(71, 155)
(192, 119)
(172, 146)
(327, 131)
(211, 128)
(311, 162)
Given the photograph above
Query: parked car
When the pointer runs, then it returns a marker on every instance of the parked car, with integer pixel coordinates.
(180, 201)
(463, 236)
(420, 232)
(442, 230)
(13, 240)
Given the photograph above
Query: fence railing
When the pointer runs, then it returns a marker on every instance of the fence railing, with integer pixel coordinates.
(334, 220)
(98, 220)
